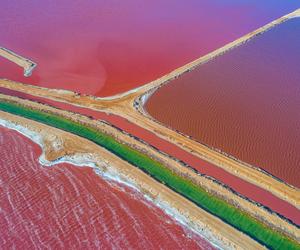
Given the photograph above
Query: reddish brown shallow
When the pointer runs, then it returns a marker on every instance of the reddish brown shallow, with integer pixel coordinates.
(245, 188)
(245, 103)
(67, 207)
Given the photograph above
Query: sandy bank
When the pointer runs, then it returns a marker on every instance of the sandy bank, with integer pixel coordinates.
(210, 185)
(125, 108)
(55, 142)
(23, 62)
(130, 106)
(125, 105)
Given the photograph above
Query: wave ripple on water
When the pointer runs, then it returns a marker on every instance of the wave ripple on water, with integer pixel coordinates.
(70, 207)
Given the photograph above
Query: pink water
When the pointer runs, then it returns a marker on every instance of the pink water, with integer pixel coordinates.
(106, 47)
(68, 207)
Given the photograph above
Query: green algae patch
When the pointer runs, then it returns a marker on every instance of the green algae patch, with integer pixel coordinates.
(212, 204)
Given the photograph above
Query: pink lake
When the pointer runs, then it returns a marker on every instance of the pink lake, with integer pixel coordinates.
(68, 207)
(107, 47)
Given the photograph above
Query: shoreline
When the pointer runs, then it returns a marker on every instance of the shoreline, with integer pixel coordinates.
(154, 194)
(140, 101)
(257, 212)
(123, 109)
(21, 61)
(80, 117)
(145, 98)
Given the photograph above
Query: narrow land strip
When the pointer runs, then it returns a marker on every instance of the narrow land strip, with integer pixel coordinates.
(76, 117)
(127, 104)
(86, 153)
(246, 189)
(23, 62)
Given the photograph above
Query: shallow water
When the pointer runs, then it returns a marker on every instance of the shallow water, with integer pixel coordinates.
(245, 103)
(107, 47)
(71, 207)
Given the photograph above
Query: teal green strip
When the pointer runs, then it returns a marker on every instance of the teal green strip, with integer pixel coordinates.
(212, 204)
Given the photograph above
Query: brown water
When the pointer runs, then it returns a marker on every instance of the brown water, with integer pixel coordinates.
(245, 103)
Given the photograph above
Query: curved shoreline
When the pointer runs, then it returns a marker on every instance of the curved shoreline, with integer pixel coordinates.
(266, 216)
(281, 187)
(107, 117)
(140, 101)
(144, 112)
(156, 193)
